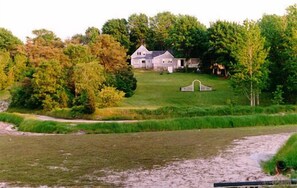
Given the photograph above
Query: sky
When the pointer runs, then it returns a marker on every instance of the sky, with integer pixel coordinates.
(69, 17)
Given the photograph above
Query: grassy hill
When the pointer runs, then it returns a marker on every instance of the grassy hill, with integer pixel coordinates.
(156, 90)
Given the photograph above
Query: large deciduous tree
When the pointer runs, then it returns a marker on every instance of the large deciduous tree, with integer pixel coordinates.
(290, 67)
(160, 26)
(250, 72)
(223, 38)
(281, 38)
(110, 54)
(138, 25)
(188, 37)
(118, 28)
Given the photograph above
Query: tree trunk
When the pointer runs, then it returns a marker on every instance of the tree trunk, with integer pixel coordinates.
(258, 98)
(251, 95)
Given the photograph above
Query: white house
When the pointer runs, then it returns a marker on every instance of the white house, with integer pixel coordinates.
(159, 60)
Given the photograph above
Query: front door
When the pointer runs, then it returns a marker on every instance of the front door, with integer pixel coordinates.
(143, 64)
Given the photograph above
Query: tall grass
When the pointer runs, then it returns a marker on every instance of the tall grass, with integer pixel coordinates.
(11, 118)
(190, 123)
(204, 122)
(38, 126)
(287, 154)
(175, 112)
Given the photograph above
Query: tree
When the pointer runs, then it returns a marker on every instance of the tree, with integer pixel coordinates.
(47, 84)
(160, 26)
(290, 66)
(188, 37)
(123, 80)
(138, 25)
(273, 29)
(118, 28)
(4, 69)
(110, 54)
(250, 72)
(223, 37)
(280, 34)
(91, 34)
(8, 41)
(88, 77)
(44, 46)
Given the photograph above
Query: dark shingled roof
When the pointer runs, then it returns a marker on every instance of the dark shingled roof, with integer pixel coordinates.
(157, 53)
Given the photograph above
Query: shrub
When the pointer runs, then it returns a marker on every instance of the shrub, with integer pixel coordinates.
(126, 82)
(278, 95)
(109, 97)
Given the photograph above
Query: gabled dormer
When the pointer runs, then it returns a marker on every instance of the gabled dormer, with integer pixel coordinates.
(140, 52)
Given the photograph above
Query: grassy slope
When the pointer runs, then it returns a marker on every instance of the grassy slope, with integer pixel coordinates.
(155, 90)
(287, 154)
(72, 159)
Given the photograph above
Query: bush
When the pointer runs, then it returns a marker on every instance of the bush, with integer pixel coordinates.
(109, 97)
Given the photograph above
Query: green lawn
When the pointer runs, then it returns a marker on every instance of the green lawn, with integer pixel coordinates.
(70, 160)
(155, 90)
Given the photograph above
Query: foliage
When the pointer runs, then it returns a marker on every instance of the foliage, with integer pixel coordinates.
(4, 64)
(118, 28)
(8, 41)
(280, 32)
(138, 25)
(124, 81)
(287, 154)
(85, 103)
(278, 95)
(110, 54)
(160, 26)
(250, 72)
(88, 76)
(47, 83)
(91, 35)
(223, 37)
(109, 97)
(187, 37)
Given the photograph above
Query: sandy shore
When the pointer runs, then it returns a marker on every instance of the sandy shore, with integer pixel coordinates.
(240, 162)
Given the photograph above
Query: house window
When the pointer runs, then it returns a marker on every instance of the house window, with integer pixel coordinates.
(138, 53)
(167, 60)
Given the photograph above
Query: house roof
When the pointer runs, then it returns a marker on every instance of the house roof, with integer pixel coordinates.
(149, 54)
(157, 53)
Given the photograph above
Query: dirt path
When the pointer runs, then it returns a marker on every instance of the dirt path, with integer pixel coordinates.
(48, 118)
(240, 162)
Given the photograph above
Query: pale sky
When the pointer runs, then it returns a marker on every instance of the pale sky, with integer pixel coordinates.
(69, 17)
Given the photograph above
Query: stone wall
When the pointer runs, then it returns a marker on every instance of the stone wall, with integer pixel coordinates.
(3, 105)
